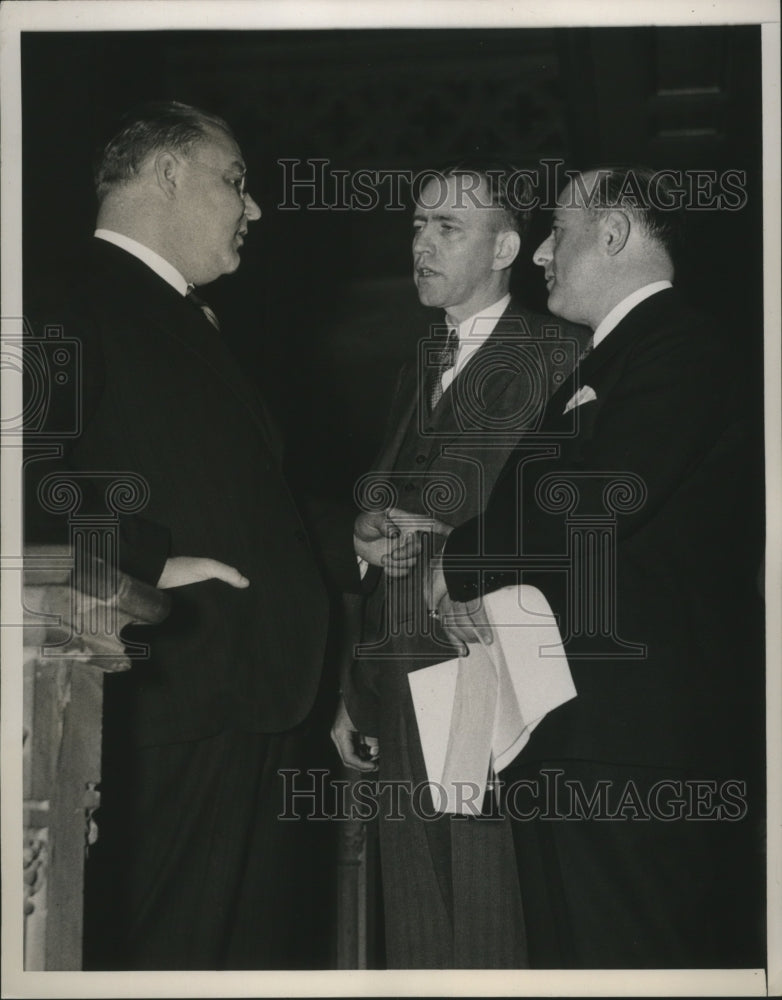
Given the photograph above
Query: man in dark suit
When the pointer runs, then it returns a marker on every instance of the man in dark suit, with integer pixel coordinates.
(454, 419)
(192, 868)
(644, 460)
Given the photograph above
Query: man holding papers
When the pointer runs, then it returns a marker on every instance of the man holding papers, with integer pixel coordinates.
(475, 714)
(449, 886)
(635, 803)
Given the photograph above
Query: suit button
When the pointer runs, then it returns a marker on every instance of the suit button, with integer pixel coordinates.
(420, 459)
(300, 535)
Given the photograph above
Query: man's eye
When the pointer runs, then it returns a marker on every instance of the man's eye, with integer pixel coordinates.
(238, 185)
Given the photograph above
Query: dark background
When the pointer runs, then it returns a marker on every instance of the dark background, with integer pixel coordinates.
(323, 309)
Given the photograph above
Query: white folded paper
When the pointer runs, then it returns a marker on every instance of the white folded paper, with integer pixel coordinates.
(475, 714)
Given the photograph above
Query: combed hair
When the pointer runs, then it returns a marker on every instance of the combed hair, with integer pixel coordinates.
(643, 193)
(510, 188)
(157, 125)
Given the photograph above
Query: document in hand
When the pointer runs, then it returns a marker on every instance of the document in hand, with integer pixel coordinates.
(475, 713)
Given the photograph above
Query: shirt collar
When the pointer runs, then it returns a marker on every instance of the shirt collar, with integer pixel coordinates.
(478, 327)
(476, 330)
(621, 309)
(153, 260)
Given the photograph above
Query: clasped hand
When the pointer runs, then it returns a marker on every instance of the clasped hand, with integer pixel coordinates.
(392, 538)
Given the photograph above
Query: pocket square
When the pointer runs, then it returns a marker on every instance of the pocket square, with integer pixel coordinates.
(584, 395)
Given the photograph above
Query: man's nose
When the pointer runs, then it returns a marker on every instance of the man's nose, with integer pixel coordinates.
(251, 209)
(543, 254)
(422, 242)
(423, 235)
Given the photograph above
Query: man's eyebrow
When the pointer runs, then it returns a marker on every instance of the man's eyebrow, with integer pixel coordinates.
(437, 216)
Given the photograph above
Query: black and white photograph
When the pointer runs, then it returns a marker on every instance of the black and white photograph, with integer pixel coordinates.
(391, 452)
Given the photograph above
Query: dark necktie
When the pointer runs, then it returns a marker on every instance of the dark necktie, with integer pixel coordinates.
(442, 360)
(205, 309)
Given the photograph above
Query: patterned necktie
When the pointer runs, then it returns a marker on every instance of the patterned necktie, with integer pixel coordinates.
(587, 349)
(442, 360)
(205, 309)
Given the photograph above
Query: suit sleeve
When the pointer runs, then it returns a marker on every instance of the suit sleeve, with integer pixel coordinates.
(666, 411)
(144, 545)
(330, 527)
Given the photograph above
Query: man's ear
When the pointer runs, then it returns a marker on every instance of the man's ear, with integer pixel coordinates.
(506, 249)
(167, 173)
(616, 230)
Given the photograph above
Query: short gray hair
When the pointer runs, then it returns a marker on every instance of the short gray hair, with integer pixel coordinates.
(157, 125)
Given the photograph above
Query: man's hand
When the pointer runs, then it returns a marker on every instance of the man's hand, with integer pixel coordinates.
(179, 571)
(345, 736)
(463, 622)
(392, 538)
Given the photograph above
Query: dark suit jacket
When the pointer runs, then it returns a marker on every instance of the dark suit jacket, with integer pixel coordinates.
(164, 398)
(669, 419)
(446, 464)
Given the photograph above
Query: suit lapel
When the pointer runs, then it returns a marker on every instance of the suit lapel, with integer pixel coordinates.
(178, 319)
(511, 327)
(592, 369)
(408, 412)
(201, 340)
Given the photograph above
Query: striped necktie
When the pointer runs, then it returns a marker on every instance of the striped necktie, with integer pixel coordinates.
(442, 360)
(205, 309)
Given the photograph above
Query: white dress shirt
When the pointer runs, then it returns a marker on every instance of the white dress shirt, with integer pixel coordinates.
(621, 309)
(153, 260)
(474, 332)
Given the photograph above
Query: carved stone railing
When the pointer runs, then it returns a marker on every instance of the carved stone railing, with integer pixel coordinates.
(74, 613)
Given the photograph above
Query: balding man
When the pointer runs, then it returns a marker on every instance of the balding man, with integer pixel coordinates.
(634, 802)
(192, 869)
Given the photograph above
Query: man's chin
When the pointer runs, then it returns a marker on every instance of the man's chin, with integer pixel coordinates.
(231, 263)
(426, 298)
(559, 308)
(554, 304)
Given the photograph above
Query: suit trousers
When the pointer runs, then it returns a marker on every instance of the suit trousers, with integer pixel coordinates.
(450, 891)
(635, 891)
(193, 869)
